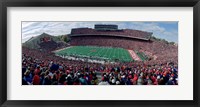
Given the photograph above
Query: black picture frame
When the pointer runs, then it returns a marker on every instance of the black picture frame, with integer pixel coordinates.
(99, 3)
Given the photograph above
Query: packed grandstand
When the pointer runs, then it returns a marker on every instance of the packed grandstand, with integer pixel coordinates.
(104, 55)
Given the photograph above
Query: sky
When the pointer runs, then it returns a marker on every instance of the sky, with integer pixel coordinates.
(167, 30)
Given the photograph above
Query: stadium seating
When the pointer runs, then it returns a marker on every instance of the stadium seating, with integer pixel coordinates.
(159, 65)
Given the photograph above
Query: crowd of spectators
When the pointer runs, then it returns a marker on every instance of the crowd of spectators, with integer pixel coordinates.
(51, 45)
(140, 74)
(39, 68)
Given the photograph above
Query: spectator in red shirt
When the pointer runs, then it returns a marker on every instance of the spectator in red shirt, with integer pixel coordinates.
(36, 80)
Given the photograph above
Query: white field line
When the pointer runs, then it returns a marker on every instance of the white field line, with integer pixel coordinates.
(62, 49)
(134, 55)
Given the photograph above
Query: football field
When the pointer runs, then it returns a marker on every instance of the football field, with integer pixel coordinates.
(108, 53)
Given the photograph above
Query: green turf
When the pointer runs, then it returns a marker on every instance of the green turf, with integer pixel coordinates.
(108, 53)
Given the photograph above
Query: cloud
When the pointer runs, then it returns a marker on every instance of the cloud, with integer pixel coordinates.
(159, 29)
(163, 30)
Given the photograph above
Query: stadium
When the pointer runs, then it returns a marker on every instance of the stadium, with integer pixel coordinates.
(103, 55)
